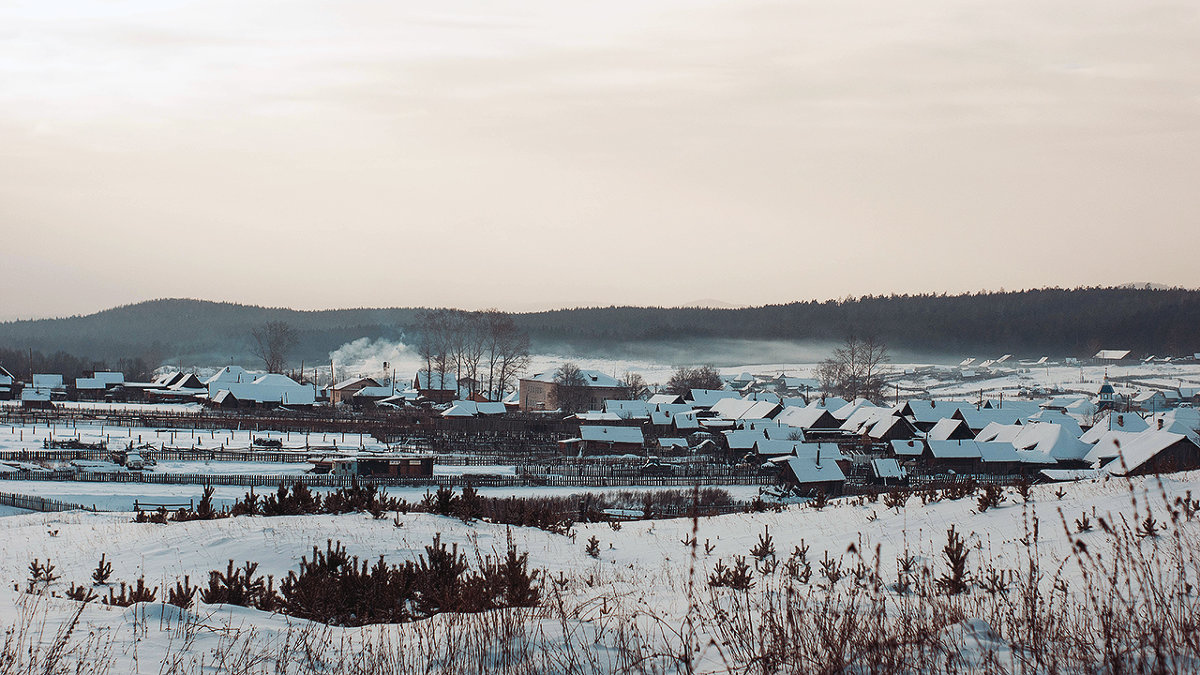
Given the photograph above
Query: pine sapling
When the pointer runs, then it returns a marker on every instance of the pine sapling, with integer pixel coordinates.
(184, 593)
(955, 580)
(1083, 523)
(101, 574)
(765, 548)
(82, 594)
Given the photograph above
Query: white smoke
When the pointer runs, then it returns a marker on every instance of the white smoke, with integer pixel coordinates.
(365, 358)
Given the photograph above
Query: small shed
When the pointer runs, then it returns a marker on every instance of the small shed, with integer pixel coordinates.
(812, 473)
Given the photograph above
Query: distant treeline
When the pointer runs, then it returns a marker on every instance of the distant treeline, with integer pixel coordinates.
(1074, 322)
(1060, 322)
(20, 362)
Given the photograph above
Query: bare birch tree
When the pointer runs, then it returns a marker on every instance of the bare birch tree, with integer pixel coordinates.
(856, 369)
(273, 342)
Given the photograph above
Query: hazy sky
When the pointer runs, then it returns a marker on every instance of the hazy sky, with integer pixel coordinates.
(556, 152)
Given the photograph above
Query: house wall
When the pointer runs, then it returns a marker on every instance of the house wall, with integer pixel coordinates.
(538, 395)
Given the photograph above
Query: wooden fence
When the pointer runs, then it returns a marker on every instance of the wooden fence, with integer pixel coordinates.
(32, 503)
(514, 427)
(326, 480)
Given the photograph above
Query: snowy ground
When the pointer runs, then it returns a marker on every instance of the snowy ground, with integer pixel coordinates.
(644, 562)
(31, 437)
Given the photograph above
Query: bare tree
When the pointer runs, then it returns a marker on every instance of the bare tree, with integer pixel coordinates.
(856, 369)
(570, 388)
(462, 345)
(435, 348)
(506, 352)
(685, 379)
(273, 342)
(633, 386)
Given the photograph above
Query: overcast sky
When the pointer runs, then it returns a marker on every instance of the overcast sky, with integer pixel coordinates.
(557, 153)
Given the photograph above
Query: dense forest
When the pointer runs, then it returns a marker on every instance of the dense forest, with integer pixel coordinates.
(1061, 322)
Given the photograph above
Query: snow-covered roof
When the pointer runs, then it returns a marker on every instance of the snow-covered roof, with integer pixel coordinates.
(807, 418)
(848, 410)
(47, 381)
(926, 412)
(1109, 446)
(663, 413)
(1022, 408)
(944, 429)
(883, 425)
(1052, 439)
(229, 374)
(997, 451)
(1061, 418)
(1189, 417)
(629, 409)
(99, 381)
(672, 443)
(999, 432)
(1035, 457)
(954, 449)
(275, 380)
(1143, 447)
(607, 434)
(356, 383)
(1114, 422)
(978, 419)
(1111, 354)
(590, 378)
(807, 470)
(741, 440)
(686, 420)
(273, 388)
(909, 448)
(658, 399)
(1069, 403)
(473, 408)
(597, 416)
(736, 409)
(380, 391)
(767, 446)
(888, 467)
(829, 403)
(459, 410)
(31, 394)
(706, 398)
(863, 418)
(801, 383)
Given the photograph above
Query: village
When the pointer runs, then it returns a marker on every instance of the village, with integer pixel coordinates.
(997, 420)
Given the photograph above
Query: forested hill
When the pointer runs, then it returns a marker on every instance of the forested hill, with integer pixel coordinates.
(1057, 321)
(1025, 323)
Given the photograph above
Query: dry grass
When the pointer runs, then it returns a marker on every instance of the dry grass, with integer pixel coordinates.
(1132, 607)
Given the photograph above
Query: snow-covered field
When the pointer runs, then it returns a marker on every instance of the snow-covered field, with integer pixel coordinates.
(32, 437)
(641, 574)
